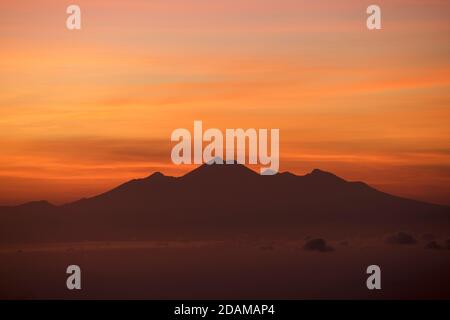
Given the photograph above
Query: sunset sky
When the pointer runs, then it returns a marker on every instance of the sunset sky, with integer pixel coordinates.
(82, 111)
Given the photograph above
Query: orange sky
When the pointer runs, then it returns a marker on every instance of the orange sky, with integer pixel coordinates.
(81, 111)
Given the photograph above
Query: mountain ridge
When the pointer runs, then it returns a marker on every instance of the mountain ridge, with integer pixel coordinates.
(159, 176)
(221, 200)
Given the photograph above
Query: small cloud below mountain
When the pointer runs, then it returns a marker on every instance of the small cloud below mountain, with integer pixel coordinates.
(317, 245)
(433, 245)
(401, 238)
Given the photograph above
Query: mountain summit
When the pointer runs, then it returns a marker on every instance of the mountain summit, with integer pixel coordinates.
(222, 172)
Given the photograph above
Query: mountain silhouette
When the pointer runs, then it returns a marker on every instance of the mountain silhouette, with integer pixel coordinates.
(222, 200)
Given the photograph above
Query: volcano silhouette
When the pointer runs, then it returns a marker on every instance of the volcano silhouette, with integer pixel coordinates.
(222, 200)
